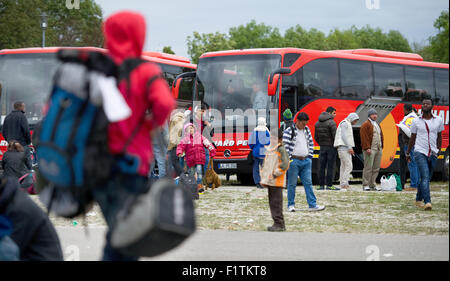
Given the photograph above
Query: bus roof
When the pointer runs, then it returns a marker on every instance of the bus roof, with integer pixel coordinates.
(372, 55)
(150, 56)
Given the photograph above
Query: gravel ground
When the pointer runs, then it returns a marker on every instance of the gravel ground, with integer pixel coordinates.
(242, 208)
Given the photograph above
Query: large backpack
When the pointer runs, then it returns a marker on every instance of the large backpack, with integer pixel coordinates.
(72, 141)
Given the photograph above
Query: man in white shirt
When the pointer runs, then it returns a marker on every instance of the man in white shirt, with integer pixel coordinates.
(426, 139)
(299, 145)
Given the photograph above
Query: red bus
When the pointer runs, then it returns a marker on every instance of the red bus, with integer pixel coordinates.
(310, 81)
(26, 75)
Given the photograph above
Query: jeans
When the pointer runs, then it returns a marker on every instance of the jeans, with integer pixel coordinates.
(196, 169)
(257, 163)
(426, 166)
(206, 160)
(174, 162)
(327, 160)
(414, 173)
(160, 158)
(9, 251)
(111, 198)
(302, 168)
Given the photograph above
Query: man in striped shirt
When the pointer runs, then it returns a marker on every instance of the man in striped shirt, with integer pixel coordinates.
(299, 144)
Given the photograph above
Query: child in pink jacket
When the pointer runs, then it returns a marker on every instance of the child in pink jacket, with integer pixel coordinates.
(192, 146)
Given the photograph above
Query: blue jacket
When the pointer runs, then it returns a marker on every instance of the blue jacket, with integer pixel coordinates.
(258, 139)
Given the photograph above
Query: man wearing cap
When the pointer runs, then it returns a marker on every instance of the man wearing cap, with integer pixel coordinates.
(299, 144)
(344, 143)
(372, 145)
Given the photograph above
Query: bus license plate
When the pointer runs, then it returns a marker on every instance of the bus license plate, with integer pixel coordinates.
(228, 166)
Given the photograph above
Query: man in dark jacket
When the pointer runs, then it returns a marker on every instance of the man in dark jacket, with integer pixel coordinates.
(15, 126)
(32, 230)
(325, 131)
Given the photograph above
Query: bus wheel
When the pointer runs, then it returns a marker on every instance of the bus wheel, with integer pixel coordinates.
(246, 179)
(445, 171)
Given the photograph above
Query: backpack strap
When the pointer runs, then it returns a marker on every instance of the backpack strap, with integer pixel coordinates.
(126, 68)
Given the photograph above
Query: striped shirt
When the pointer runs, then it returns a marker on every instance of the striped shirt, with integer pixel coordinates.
(289, 141)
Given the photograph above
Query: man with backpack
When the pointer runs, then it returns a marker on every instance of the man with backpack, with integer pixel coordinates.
(299, 144)
(146, 93)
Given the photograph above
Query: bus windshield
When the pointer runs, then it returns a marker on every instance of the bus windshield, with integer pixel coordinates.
(236, 82)
(27, 78)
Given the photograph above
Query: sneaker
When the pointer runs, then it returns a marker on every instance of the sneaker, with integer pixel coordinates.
(259, 186)
(333, 188)
(366, 188)
(291, 209)
(377, 188)
(420, 204)
(427, 207)
(317, 208)
(200, 188)
(321, 188)
(276, 228)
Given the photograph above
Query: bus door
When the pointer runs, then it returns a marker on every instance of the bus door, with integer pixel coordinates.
(384, 107)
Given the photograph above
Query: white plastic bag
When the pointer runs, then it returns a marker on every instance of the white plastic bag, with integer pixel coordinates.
(388, 184)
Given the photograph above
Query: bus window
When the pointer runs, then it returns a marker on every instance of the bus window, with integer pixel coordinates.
(441, 77)
(388, 80)
(320, 79)
(27, 78)
(419, 83)
(289, 59)
(356, 79)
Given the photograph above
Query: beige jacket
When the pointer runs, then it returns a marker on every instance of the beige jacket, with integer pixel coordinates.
(276, 164)
(175, 129)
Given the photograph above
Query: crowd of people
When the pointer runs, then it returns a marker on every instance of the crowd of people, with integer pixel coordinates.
(182, 141)
(421, 141)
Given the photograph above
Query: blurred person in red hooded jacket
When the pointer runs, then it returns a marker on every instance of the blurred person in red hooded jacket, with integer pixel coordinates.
(148, 96)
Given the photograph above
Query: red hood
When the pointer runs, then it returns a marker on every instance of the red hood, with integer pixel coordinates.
(124, 35)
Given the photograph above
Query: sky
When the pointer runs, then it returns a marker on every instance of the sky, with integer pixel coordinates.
(170, 22)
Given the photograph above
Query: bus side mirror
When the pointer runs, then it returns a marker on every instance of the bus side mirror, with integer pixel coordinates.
(274, 79)
(177, 82)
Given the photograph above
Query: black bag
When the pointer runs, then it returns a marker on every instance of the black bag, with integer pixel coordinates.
(155, 222)
(189, 184)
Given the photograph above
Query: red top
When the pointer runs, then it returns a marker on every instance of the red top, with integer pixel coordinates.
(125, 36)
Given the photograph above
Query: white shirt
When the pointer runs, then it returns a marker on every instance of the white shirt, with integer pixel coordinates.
(301, 144)
(425, 141)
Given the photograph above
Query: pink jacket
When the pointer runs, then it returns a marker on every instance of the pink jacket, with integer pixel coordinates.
(193, 145)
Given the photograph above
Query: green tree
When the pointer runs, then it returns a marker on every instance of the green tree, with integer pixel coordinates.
(168, 50)
(254, 35)
(202, 43)
(20, 23)
(439, 44)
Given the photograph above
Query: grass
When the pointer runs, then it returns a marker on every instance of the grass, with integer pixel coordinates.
(240, 208)
(352, 211)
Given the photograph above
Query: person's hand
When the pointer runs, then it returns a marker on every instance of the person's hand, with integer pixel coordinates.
(351, 151)
(369, 151)
(408, 158)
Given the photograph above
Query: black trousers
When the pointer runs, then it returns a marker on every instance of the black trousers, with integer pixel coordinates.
(276, 205)
(327, 159)
(403, 167)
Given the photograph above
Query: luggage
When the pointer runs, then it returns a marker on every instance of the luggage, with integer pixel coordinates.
(157, 221)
